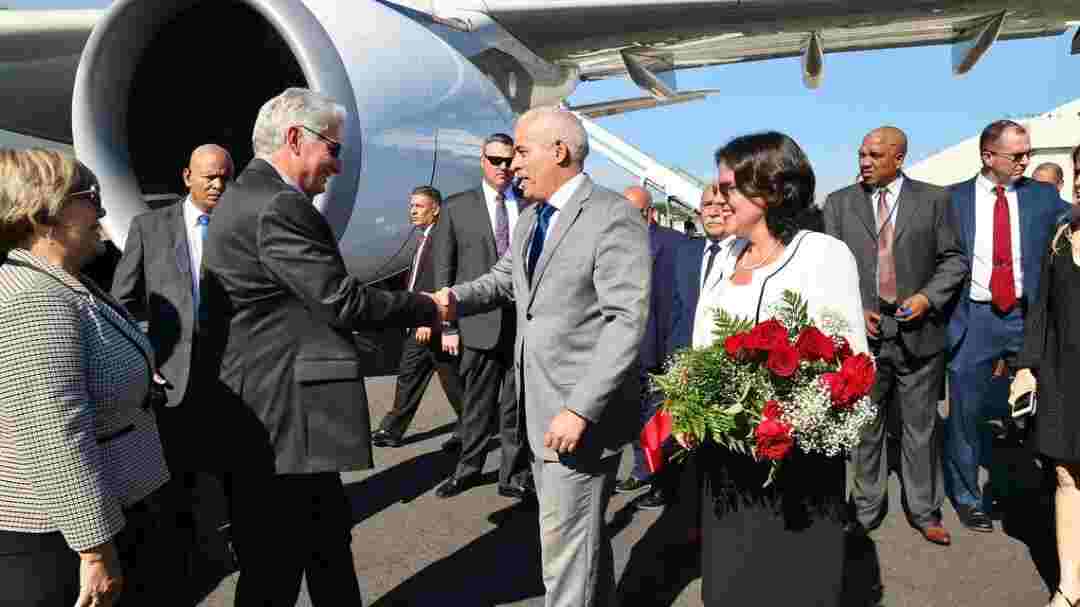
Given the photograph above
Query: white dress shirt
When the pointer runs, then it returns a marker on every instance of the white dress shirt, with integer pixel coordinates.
(416, 260)
(718, 264)
(511, 203)
(982, 262)
(194, 242)
(892, 197)
(560, 198)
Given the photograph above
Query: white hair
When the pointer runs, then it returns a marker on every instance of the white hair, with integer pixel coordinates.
(563, 126)
(293, 107)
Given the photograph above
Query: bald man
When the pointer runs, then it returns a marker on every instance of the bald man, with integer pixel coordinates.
(910, 265)
(157, 280)
(663, 242)
(1050, 172)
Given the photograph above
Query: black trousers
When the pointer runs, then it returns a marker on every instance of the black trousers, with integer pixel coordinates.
(288, 527)
(418, 363)
(490, 403)
(41, 570)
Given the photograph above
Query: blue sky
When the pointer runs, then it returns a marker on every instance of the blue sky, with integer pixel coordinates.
(911, 88)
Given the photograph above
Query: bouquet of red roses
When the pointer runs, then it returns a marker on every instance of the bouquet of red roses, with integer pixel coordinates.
(765, 389)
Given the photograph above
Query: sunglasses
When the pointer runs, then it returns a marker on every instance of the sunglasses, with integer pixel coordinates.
(1015, 158)
(498, 161)
(91, 194)
(334, 147)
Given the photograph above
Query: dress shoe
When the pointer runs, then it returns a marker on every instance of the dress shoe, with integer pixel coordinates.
(975, 519)
(630, 485)
(452, 444)
(653, 500)
(936, 533)
(456, 486)
(382, 438)
(522, 491)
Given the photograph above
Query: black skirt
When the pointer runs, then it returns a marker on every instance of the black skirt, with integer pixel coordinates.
(777, 545)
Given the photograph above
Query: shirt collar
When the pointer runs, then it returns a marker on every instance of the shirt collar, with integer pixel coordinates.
(723, 242)
(565, 191)
(490, 193)
(893, 187)
(984, 184)
(191, 212)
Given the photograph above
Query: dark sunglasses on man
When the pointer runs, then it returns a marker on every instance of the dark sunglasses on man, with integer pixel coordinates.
(332, 146)
(498, 161)
(91, 194)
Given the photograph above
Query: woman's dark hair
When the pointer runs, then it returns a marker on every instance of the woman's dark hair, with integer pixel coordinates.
(773, 167)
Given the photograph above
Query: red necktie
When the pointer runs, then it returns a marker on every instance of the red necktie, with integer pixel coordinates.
(1002, 285)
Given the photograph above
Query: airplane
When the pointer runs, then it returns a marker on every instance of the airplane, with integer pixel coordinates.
(423, 81)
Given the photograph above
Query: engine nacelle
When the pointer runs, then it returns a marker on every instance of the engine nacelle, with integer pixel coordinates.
(159, 78)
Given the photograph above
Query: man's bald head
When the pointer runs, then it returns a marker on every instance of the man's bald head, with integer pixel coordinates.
(1050, 172)
(641, 199)
(881, 155)
(207, 175)
(550, 146)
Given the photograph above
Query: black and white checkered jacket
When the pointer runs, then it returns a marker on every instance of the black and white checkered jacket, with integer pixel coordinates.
(76, 446)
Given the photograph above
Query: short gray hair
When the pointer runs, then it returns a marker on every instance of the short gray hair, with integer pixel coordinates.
(294, 106)
(563, 126)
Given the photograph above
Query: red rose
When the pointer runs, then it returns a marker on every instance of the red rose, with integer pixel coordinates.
(812, 344)
(783, 360)
(767, 335)
(859, 371)
(843, 349)
(773, 439)
(772, 410)
(853, 381)
(735, 345)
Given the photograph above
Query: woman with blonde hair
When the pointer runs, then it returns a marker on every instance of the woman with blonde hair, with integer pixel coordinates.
(1048, 364)
(79, 447)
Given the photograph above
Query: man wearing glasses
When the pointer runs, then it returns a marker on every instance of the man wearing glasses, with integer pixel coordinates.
(1005, 221)
(473, 234)
(292, 411)
(157, 280)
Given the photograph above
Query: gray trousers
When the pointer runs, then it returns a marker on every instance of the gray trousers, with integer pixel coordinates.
(908, 388)
(575, 549)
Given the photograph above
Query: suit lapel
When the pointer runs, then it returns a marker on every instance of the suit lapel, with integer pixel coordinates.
(180, 241)
(695, 274)
(863, 210)
(909, 206)
(567, 216)
(482, 220)
(1027, 216)
(965, 212)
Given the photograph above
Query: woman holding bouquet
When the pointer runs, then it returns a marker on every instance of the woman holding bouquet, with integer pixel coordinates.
(776, 540)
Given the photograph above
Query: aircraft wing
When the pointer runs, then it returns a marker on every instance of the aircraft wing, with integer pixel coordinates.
(39, 53)
(606, 38)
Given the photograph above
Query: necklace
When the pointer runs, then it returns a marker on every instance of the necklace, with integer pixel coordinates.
(764, 260)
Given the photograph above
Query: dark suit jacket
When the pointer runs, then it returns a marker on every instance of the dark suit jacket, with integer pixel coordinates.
(1040, 207)
(926, 248)
(663, 242)
(425, 283)
(686, 287)
(465, 250)
(153, 281)
(282, 312)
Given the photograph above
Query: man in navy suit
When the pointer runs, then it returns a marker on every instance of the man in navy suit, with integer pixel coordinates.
(663, 243)
(1005, 222)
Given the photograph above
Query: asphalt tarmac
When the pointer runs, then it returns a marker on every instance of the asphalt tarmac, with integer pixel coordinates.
(478, 549)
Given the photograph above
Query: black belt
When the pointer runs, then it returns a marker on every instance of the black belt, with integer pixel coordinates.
(1021, 303)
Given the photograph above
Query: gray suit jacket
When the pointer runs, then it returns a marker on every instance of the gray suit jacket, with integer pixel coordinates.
(580, 322)
(153, 281)
(926, 247)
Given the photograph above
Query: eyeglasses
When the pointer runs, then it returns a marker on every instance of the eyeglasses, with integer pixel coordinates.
(1015, 158)
(332, 146)
(498, 161)
(93, 195)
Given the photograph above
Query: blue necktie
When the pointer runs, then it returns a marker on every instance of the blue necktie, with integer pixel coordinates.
(203, 224)
(544, 211)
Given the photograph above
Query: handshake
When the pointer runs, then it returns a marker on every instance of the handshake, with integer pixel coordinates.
(446, 304)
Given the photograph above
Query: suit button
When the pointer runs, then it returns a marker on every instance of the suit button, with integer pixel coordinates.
(528, 317)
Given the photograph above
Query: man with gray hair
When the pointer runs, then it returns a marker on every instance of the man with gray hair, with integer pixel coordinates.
(1050, 172)
(292, 410)
(580, 285)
